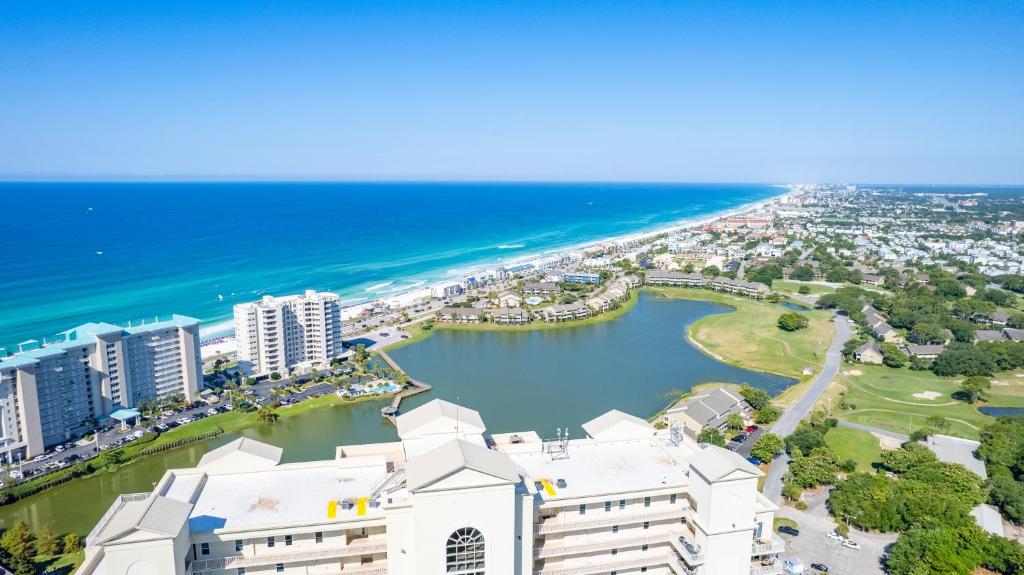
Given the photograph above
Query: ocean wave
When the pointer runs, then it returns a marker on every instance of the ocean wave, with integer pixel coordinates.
(511, 246)
(377, 287)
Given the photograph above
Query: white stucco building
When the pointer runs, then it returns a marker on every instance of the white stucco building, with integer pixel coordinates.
(449, 498)
(53, 393)
(279, 333)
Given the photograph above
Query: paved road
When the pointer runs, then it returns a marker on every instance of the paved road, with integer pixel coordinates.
(792, 416)
(884, 432)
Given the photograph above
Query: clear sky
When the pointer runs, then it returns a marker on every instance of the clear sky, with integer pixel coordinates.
(901, 92)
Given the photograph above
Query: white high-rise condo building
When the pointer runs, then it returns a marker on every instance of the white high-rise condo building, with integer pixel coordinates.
(53, 393)
(279, 333)
(449, 498)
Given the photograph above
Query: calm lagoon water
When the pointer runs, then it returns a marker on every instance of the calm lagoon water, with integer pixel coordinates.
(518, 381)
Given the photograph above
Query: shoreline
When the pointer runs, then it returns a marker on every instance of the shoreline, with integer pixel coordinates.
(220, 328)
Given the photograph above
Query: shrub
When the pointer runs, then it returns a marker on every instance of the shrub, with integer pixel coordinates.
(712, 436)
(793, 321)
(767, 447)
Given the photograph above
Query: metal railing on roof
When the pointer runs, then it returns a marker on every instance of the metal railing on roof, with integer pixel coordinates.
(116, 506)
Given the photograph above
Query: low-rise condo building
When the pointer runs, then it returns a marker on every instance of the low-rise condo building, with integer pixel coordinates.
(449, 498)
(56, 392)
(276, 334)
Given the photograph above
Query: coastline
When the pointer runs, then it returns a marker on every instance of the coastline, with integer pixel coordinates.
(223, 328)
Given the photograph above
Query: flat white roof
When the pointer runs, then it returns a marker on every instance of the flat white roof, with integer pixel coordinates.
(284, 495)
(595, 468)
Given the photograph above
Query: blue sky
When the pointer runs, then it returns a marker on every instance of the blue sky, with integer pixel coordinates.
(906, 92)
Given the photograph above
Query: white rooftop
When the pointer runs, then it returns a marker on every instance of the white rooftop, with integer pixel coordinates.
(595, 467)
(283, 495)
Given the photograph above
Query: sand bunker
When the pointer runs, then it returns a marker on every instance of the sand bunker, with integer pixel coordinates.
(856, 372)
(929, 395)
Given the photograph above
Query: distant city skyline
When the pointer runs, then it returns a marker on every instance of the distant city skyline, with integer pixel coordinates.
(907, 93)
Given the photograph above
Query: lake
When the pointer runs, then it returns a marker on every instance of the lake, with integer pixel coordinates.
(518, 380)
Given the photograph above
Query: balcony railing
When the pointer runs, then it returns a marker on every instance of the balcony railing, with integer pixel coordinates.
(607, 565)
(116, 506)
(687, 548)
(773, 569)
(299, 554)
(604, 519)
(607, 543)
(776, 545)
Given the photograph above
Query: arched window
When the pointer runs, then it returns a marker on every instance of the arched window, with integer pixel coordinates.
(465, 552)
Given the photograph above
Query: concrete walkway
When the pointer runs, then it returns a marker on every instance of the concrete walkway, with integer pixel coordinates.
(792, 416)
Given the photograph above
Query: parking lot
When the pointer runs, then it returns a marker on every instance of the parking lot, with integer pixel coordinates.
(814, 546)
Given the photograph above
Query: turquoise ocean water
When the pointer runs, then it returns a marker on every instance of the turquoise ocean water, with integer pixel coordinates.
(119, 252)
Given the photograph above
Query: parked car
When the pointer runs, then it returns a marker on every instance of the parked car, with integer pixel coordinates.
(851, 544)
(754, 460)
(788, 530)
(211, 411)
(834, 535)
(752, 429)
(819, 567)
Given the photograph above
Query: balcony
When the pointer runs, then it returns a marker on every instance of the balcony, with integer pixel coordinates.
(775, 545)
(298, 555)
(606, 565)
(773, 569)
(687, 548)
(604, 519)
(604, 544)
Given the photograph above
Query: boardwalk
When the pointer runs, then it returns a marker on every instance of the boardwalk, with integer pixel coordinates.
(391, 412)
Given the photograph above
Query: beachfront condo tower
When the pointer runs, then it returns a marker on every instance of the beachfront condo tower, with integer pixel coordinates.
(56, 392)
(276, 334)
(448, 498)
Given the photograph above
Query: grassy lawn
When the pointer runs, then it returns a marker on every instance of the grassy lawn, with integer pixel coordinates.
(793, 286)
(855, 444)
(885, 398)
(750, 337)
(59, 564)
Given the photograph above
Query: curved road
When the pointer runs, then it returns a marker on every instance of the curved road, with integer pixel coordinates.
(792, 416)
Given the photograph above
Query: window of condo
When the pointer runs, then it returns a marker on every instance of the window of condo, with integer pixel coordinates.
(643, 547)
(464, 553)
(583, 509)
(270, 542)
(607, 505)
(647, 501)
(240, 571)
(647, 524)
(287, 539)
(204, 549)
(319, 536)
(238, 545)
(622, 503)
(672, 499)
(615, 551)
(615, 528)
(279, 567)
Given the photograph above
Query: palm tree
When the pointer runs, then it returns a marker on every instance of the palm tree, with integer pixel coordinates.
(266, 415)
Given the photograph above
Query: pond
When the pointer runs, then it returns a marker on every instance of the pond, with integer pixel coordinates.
(518, 380)
(794, 306)
(1001, 411)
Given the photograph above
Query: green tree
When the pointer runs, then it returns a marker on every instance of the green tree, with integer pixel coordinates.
(757, 398)
(767, 447)
(907, 457)
(712, 436)
(18, 541)
(938, 550)
(892, 356)
(275, 375)
(47, 543)
(975, 389)
(72, 544)
(735, 421)
(767, 414)
(792, 321)
(804, 290)
(1008, 495)
(266, 415)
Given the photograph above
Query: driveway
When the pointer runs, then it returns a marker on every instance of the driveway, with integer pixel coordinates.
(812, 545)
(792, 416)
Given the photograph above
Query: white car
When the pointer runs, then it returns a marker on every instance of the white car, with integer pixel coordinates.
(59, 448)
(211, 411)
(834, 535)
(15, 475)
(139, 433)
(851, 544)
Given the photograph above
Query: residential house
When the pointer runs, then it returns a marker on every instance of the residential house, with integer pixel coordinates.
(541, 288)
(663, 278)
(708, 409)
(510, 316)
(755, 290)
(988, 335)
(460, 314)
(868, 352)
(564, 312)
